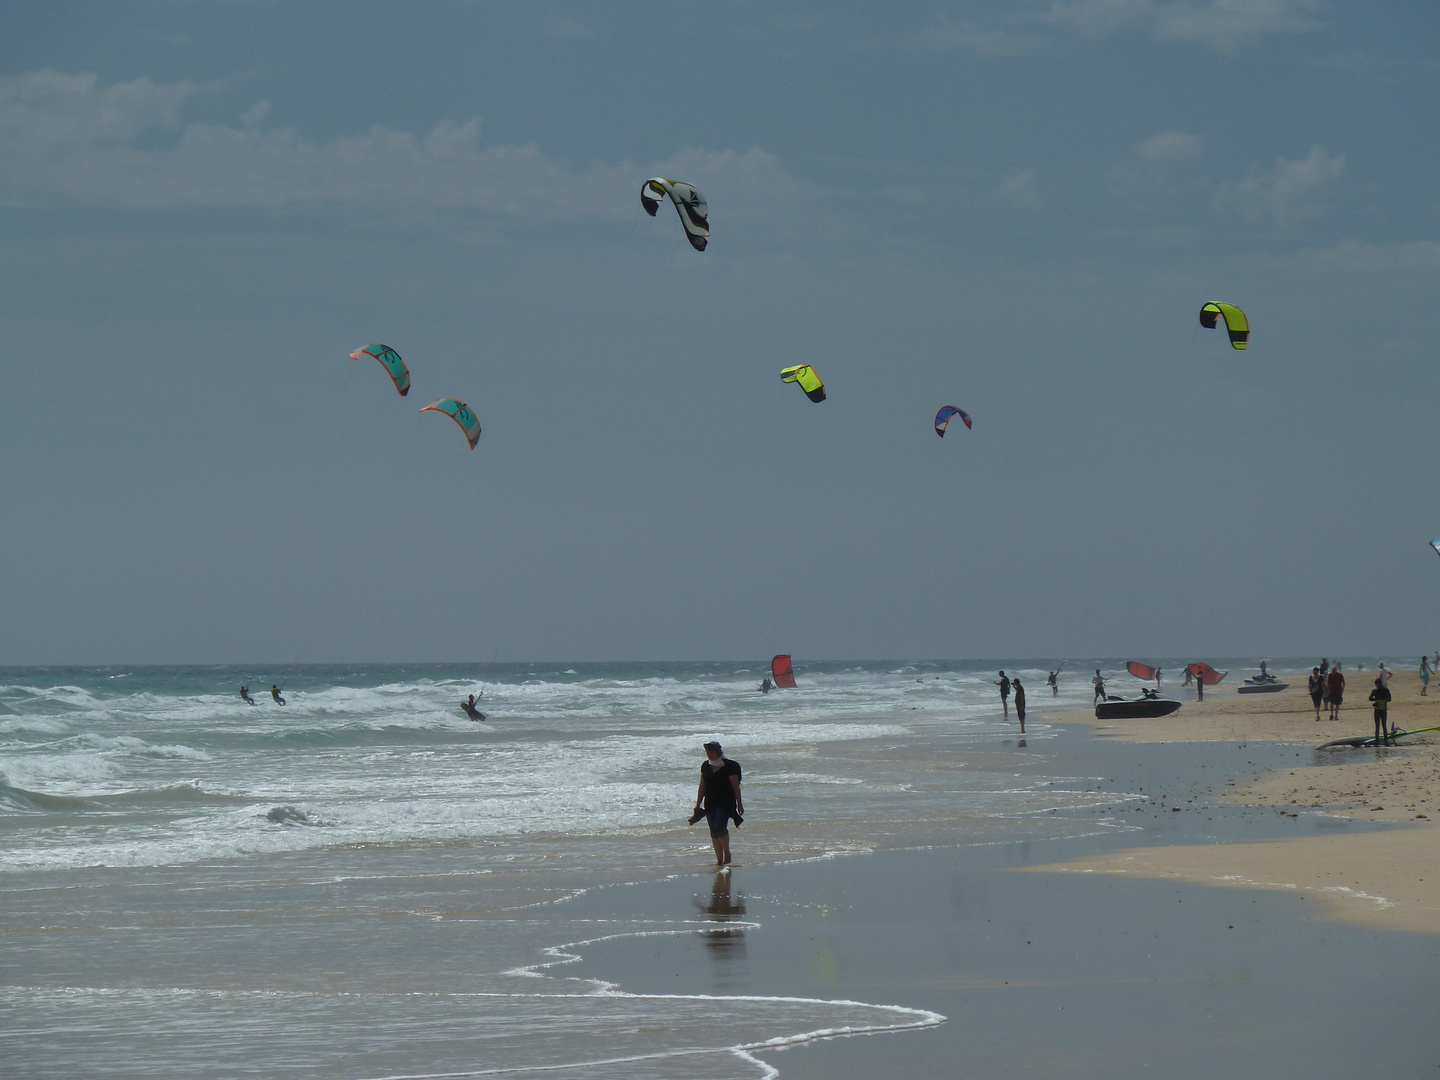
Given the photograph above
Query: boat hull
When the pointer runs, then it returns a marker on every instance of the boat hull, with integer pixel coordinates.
(1261, 688)
(1143, 709)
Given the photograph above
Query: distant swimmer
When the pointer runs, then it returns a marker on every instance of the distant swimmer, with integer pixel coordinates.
(245, 695)
(471, 707)
(766, 685)
(275, 693)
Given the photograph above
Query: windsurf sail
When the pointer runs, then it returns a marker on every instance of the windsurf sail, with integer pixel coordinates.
(1236, 324)
(1206, 673)
(1139, 670)
(944, 416)
(390, 360)
(782, 672)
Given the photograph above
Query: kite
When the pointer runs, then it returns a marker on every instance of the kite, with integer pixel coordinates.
(805, 375)
(1436, 545)
(392, 363)
(1235, 321)
(783, 673)
(942, 418)
(1139, 670)
(689, 204)
(1206, 673)
(461, 414)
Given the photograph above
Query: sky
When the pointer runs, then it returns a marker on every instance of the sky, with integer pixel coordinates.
(1016, 209)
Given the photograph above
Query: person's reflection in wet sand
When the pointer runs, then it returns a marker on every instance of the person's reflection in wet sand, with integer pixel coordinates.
(730, 942)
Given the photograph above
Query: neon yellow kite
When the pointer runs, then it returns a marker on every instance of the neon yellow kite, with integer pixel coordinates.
(1235, 321)
(810, 382)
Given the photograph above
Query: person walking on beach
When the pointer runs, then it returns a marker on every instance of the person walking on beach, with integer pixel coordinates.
(1004, 684)
(1098, 681)
(1019, 703)
(1054, 686)
(1317, 690)
(1381, 698)
(1335, 691)
(720, 794)
(1424, 675)
(275, 694)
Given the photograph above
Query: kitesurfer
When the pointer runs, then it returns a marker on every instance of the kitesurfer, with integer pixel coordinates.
(1381, 698)
(1199, 686)
(1004, 684)
(275, 694)
(245, 695)
(1098, 681)
(1335, 690)
(719, 792)
(1019, 703)
(1054, 687)
(472, 708)
(1189, 676)
(766, 685)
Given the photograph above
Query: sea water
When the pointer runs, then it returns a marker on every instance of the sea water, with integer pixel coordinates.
(366, 882)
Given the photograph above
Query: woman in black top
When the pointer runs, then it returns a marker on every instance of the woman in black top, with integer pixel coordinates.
(720, 792)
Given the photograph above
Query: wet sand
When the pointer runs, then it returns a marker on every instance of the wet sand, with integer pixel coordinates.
(1389, 879)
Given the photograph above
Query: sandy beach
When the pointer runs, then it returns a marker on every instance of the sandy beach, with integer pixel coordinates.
(1386, 879)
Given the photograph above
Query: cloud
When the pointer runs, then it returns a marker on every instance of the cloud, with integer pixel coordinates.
(1353, 256)
(1019, 190)
(67, 140)
(1169, 149)
(1286, 191)
(1223, 25)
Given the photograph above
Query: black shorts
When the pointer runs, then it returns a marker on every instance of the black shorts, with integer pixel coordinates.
(719, 820)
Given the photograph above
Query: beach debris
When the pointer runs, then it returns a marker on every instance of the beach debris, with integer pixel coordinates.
(1235, 321)
(390, 361)
(945, 415)
(461, 414)
(809, 381)
(689, 204)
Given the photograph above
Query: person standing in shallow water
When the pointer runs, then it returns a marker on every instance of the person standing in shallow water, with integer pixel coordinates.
(1019, 703)
(1004, 684)
(1380, 696)
(719, 793)
(1053, 684)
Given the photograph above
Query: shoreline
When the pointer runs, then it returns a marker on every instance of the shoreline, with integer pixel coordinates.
(1388, 879)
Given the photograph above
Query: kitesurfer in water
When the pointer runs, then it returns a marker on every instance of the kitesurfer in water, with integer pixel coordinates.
(1004, 684)
(720, 794)
(1019, 703)
(275, 694)
(245, 695)
(1054, 687)
(472, 707)
(765, 685)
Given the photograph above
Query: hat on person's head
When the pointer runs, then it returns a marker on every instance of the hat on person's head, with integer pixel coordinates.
(714, 746)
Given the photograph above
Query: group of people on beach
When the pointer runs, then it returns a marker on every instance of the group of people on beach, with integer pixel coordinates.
(1007, 687)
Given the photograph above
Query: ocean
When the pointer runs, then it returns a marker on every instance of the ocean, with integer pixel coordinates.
(364, 882)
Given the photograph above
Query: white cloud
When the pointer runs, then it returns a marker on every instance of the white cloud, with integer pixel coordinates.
(1285, 192)
(1353, 256)
(68, 140)
(1169, 149)
(1224, 25)
(1019, 190)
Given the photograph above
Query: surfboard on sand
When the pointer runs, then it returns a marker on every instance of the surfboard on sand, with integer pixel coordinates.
(1369, 740)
